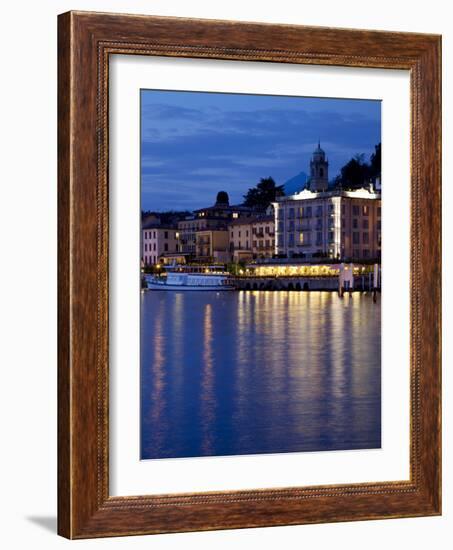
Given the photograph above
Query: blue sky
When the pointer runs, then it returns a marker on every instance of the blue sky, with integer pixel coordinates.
(194, 144)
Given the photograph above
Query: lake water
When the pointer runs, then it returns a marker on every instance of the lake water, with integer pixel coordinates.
(232, 373)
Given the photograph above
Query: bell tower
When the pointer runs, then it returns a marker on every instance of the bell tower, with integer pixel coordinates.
(319, 170)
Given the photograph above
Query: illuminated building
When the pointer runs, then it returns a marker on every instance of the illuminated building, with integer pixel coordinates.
(252, 238)
(157, 241)
(212, 245)
(214, 218)
(322, 223)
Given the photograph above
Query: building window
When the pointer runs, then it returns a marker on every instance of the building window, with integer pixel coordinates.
(366, 238)
(291, 239)
(319, 210)
(247, 245)
(146, 247)
(355, 210)
(366, 253)
(319, 237)
(247, 233)
(379, 211)
(291, 214)
(267, 230)
(365, 210)
(165, 234)
(356, 238)
(378, 225)
(365, 224)
(291, 226)
(330, 236)
(280, 227)
(254, 244)
(166, 247)
(343, 209)
(355, 223)
(154, 247)
(239, 234)
(330, 209)
(235, 215)
(356, 253)
(267, 243)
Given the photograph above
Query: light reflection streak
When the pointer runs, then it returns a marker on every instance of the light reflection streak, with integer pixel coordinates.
(207, 386)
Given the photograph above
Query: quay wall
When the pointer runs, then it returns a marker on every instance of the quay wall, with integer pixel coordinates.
(297, 283)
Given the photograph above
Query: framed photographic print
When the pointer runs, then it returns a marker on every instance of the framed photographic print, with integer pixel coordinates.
(249, 275)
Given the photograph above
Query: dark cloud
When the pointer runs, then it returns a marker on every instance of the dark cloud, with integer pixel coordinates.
(189, 153)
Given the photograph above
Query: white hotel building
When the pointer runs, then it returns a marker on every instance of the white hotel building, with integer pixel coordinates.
(337, 224)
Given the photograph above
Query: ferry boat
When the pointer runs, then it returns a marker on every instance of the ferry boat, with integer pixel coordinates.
(187, 279)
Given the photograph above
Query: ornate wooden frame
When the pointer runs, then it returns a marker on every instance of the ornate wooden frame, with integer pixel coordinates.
(85, 41)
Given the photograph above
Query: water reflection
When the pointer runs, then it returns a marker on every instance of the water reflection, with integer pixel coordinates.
(259, 372)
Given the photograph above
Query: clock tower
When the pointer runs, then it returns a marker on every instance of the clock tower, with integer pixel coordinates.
(319, 171)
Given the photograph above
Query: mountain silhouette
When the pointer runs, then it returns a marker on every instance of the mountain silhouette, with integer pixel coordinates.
(295, 184)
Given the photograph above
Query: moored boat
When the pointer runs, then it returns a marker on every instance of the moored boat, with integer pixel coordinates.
(183, 280)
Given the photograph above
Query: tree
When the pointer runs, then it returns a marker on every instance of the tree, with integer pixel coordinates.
(265, 192)
(375, 162)
(355, 173)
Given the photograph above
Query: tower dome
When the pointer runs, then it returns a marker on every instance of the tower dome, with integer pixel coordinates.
(222, 199)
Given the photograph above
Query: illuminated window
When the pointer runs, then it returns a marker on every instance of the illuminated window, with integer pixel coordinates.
(235, 215)
(301, 238)
(365, 210)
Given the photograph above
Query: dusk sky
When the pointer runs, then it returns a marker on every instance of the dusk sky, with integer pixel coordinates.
(194, 144)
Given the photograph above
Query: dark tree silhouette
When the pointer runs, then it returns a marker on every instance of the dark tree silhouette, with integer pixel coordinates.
(265, 192)
(356, 173)
(375, 162)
